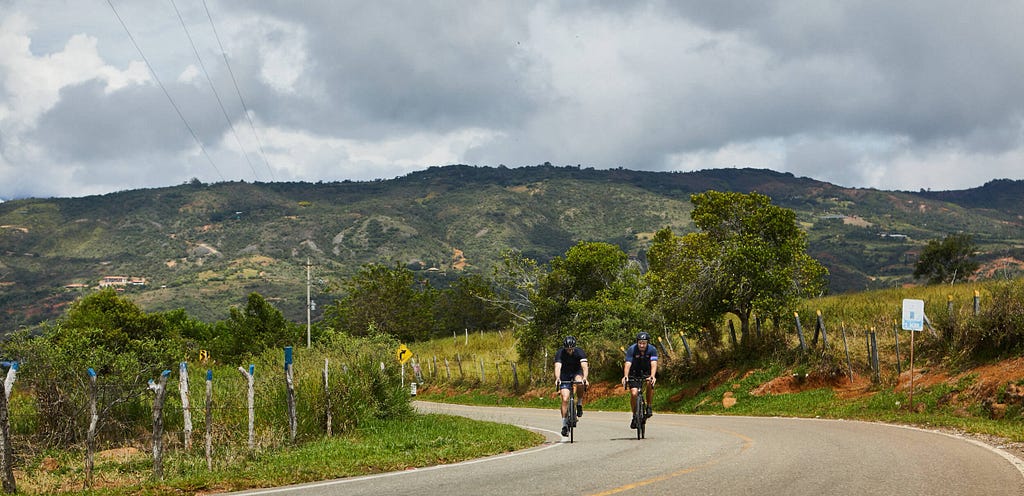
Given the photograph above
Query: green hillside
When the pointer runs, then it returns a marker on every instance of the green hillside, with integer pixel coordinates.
(205, 247)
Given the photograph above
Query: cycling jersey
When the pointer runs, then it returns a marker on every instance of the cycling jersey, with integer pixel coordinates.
(571, 363)
(641, 360)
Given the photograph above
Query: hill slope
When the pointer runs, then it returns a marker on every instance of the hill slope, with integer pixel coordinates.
(205, 247)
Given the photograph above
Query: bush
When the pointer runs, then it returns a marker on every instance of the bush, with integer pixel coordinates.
(997, 330)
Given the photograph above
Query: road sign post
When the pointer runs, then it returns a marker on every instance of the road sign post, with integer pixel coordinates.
(403, 354)
(913, 321)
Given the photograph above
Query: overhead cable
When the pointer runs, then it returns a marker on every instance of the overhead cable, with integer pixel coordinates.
(214, 88)
(164, 89)
(238, 91)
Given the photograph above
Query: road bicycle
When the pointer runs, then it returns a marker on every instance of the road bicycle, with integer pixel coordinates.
(572, 417)
(639, 414)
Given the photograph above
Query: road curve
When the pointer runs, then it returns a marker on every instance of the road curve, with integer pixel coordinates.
(706, 455)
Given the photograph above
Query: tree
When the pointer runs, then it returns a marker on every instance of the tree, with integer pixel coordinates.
(946, 260)
(515, 286)
(465, 305)
(252, 329)
(109, 334)
(593, 290)
(748, 256)
(383, 299)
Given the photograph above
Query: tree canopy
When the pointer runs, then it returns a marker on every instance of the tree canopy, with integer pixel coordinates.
(748, 256)
(594, 290)
(947, 260)
(385, 299)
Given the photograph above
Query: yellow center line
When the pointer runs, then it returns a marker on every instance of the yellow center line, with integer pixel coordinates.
(747, 443)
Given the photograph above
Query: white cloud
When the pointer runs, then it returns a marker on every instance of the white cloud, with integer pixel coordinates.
(282, 49)
(901, 95)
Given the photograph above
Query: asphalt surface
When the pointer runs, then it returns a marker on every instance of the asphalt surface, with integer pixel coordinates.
(706, 455)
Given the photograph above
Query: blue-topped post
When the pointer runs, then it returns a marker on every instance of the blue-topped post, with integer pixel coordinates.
(290, 381)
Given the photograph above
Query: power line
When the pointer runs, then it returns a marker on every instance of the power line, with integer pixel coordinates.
(238, 91)
(164, 89)
(214, 88)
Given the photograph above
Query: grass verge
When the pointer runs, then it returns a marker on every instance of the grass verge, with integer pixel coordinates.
(381, 446)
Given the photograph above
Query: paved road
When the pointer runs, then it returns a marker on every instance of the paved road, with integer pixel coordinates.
(705, 455)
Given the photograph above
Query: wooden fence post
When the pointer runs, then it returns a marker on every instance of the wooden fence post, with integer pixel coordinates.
(289, 379)
(896, 336)
(977, 303)
(160, 390)
(186, 413)
(800, 332)
(732, 334)
(820, 327)
(686, 344)
(90, 437)
(327, 398)
(874, 356)
(12, 375)
(252, 403)
(209, 419)
(417, 371)
(515, 378)
(6, 452)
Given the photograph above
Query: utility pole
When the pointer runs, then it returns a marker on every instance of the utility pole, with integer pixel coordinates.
(309, 305)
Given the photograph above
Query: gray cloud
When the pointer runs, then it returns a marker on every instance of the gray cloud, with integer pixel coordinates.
(870, 94)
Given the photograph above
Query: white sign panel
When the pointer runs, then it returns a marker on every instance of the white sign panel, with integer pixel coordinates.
(913, 315)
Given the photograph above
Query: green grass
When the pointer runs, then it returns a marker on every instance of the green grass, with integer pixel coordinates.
(381, 446)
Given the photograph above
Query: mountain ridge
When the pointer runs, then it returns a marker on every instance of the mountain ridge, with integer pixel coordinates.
(204, 247)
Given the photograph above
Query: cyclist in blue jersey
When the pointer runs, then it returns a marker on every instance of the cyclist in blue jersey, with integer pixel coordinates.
(641, 362)
(570, 365)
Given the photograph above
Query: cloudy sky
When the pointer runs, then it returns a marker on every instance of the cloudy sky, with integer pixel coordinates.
(99, 96)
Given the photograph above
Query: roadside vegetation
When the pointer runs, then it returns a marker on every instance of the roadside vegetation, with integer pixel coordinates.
(737, 307)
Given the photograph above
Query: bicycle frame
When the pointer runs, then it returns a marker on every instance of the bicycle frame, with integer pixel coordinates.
(639, 419)
(571, 417)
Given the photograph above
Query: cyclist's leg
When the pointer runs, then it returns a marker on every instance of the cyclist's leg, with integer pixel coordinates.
(634, 396)
(564, 392)
(650, 399)
(581, 389)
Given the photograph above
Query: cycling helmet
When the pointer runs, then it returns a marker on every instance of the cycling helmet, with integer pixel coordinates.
(643, 336)
(569, 342)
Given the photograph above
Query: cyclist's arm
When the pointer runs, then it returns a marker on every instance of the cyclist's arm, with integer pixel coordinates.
(625, 371)
(586, 369)
(654, 370)
(558, 372)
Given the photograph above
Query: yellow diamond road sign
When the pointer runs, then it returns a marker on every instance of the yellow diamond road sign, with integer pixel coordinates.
(403, 354)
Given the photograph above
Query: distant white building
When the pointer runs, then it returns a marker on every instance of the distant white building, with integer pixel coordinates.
(109, 281)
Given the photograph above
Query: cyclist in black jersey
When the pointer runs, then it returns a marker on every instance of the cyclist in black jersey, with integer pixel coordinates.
(641, 362)
(570, 365)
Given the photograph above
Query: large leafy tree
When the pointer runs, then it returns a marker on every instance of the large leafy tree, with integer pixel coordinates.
(384, 299)
(594, 290)
(250, 330)
(465, 305)
(748, 256)
(109, 334)
(948, 259)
